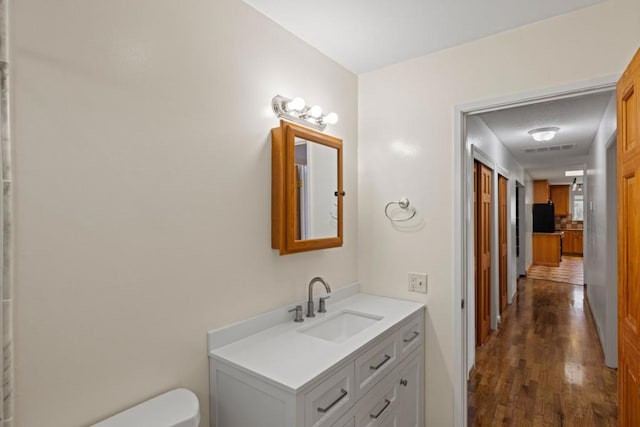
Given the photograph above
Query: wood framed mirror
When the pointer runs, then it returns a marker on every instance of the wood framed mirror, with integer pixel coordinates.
(306, 189)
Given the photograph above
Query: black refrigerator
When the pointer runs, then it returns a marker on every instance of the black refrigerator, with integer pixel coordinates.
(543, 219)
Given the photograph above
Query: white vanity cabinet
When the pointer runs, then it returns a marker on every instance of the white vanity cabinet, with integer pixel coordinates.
(396, 401)
(380, 383)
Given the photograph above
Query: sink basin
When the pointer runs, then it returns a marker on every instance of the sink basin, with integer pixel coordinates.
(342, 326)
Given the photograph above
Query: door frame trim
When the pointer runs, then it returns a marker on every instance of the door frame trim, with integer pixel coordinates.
(462, 262)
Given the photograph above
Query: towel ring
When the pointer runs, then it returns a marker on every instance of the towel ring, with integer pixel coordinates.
(404, 204)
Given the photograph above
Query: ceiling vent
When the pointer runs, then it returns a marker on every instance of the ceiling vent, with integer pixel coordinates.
(549, 148)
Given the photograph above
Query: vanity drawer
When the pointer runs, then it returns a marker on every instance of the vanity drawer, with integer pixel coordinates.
(380, 409)
(411, 335)
(330, 400)
(346, 421)
(375, 363)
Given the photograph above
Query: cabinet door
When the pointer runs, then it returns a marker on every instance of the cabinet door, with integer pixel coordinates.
(567, 242)
(577, 244)
(560, 198)
(410, 395)
(540, 191)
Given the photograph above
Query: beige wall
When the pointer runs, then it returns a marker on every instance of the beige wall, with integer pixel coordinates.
(142, 164)
(406, 125)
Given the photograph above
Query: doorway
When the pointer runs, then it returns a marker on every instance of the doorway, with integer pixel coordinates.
(464, 235)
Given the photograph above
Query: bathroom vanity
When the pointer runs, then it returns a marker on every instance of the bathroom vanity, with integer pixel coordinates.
(359, 364)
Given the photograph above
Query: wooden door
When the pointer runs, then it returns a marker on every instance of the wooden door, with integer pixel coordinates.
(628, 147)
(502, 239)
(483, 260)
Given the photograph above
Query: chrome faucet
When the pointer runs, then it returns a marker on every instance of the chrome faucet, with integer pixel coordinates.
(310, 310)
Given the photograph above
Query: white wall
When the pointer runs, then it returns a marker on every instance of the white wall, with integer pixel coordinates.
(528, 220)
(495, 155)
(406, 146)
(142, 164)
(598, 242)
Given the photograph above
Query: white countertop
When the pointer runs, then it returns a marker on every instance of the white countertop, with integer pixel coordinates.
(291, 359)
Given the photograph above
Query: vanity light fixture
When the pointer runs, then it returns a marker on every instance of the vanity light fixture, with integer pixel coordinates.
(544, 134)
(295, 110)
(296, 104)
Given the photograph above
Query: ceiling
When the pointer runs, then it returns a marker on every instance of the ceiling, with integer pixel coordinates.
(578, 119)
(364, 35)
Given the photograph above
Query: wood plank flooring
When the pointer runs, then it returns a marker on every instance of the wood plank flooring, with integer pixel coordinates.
(571, 270)
(544, 366)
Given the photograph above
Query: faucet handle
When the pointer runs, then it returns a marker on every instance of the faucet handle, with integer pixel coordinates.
(298, 310)
(322, 308)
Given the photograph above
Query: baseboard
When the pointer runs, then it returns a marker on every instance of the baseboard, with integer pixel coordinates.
(596, 325)
(529, 268)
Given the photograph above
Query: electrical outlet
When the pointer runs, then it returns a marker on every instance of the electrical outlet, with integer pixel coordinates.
(418, 282)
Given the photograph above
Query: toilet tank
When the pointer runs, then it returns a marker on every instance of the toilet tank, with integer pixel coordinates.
(175, 408)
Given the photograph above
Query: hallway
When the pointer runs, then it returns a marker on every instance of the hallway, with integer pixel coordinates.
(545, 365)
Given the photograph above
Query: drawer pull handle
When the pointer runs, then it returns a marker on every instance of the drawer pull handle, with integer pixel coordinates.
(386, 405)
(415, 335)
(379, 365)
(343, 394)
(404, 382)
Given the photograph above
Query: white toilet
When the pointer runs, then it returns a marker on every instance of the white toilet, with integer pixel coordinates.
(175, 408)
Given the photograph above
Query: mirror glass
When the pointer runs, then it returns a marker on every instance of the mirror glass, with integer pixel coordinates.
(316, 202)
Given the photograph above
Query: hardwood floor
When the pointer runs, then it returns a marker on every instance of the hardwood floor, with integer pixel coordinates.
(571, 270)
(544, 366)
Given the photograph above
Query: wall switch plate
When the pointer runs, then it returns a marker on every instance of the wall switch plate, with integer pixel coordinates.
(418, 282)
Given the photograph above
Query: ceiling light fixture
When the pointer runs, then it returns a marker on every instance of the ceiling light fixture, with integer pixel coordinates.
(544, 134)
(577, 172)
(295, 110)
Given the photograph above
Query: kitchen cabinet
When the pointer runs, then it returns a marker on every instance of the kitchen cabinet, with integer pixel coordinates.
(376, 381)
(546, 249)
(560, 198)
(541, 191)
(572, 243)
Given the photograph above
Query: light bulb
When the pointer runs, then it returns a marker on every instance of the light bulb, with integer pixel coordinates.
(543, 134)
(330, 119)
(296, 104)
(315, 111)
